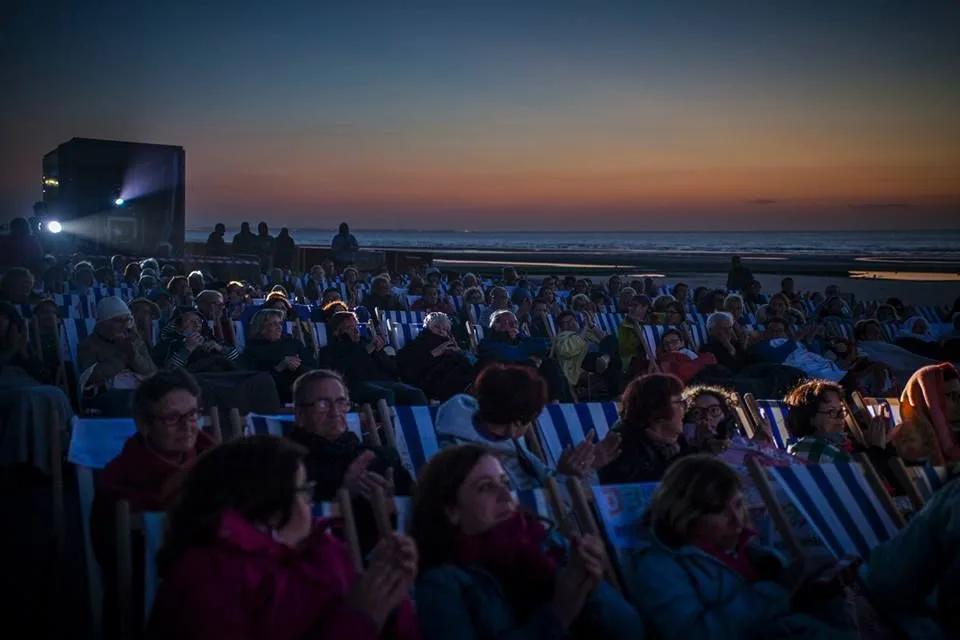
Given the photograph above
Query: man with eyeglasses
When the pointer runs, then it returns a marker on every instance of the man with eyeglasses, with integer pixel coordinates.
(337, 457)
(167, 441)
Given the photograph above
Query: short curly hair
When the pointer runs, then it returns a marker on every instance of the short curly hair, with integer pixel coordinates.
(647, 400)
(804, 403)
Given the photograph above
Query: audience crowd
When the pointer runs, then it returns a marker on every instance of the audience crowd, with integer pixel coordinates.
(450, 548)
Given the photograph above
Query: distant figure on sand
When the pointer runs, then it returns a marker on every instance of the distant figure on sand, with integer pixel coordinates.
(245, 241)
(216, 245)
(344, 247)
(739, 278)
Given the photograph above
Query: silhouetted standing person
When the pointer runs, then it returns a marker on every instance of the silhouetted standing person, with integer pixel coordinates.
(216, 245)
(264, 245)
(344, 247)
(284, 250)
(244, 241)
(739, 278)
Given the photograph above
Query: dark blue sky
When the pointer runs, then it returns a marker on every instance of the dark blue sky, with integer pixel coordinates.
(519, 114)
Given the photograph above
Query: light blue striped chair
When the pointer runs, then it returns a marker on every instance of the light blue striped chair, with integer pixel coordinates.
(874, 406)
(153, 523)
(566, 425)
(775, 411)
(280, 425)
(401, 334)
(929, 313)
(610, 322)
(404, 317)
(840, 505)
(415, 436)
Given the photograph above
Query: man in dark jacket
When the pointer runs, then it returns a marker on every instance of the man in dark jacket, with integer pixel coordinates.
(337, 458)
(244, 242)
(370, 373)
(344, 247)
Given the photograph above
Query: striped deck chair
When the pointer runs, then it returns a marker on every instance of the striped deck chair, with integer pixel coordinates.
(889, 330)
(929, 313)
(404, 317)
(566, 425)
(926, 479)
(415, 436)
(840, 505)
(320, 334)
(842, 329)
(610, 322)
(653, 334)
(280, 425)
(874, 406)
(401, 334)
(619, 509)
(775, 411)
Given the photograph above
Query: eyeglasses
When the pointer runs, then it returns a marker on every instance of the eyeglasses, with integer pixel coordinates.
(173, 419)
(714, 411)
(342, 405)
(308, 489)
(839, 412)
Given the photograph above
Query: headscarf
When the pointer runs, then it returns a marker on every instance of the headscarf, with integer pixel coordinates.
(925, 431)
(907, 330)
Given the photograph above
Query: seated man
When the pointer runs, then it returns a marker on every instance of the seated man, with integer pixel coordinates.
(434, 362)
(503, 343)
(336, 457)
(113, 359)
(167, 441)
(430, 301)
(370, 373)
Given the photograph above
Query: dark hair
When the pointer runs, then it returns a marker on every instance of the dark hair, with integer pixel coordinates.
(153, 389)
(804, 403)
(675, 332)
(564, 314)
(253, 477)
(344, 228)
(776, 320)
(860, 328)
(673, 289)
(693, 487)
(436, 491)
(786, 280)
(510, 393)
(647, 400)
(728, 399)
(12, 275)
(338, 319)
(302, 383)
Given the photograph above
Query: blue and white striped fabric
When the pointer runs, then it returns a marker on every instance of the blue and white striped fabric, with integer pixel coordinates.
(890, 330)
(874, 406)
(280, 425)
(610, 322)
(74, 331)
(842, 329)
(928, 479)
(401, 334)
(929, 313)
(566, 425)
(839, 504)
(775, 411)
(415, 435)
(154, 524)
(404, 317)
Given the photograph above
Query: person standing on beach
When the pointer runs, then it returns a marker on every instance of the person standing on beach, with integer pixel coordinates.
(244, 242)
(739, 278)
(344, 247)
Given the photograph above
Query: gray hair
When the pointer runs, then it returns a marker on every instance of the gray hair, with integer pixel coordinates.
(207, 294)
(733, 297)
(630, 290)
(716, 317)
(260, 318)
(437, 319)
(496, 316)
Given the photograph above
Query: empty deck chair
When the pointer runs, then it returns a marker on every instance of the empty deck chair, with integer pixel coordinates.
(401, 334)
(415, 436)
(837, 500)
(566, 425)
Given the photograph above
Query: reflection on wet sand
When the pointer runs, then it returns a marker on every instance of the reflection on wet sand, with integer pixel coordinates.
(917, 276)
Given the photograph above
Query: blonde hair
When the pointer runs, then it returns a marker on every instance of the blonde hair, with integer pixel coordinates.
(693, 487)
(260, 318)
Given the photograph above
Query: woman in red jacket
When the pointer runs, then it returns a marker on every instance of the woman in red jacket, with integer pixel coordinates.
(244, 559)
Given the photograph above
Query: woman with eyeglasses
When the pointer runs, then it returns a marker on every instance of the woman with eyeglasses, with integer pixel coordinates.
(268, 349)
(243, 558)
(336, 457)
(168, 440)
(930, 409)
(651, 430)
(817, 420)
(674, 357)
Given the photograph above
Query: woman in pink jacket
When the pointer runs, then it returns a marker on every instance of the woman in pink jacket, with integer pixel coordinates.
(244, 559)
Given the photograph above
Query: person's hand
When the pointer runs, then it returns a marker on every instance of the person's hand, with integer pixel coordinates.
(386, 582)
(376, 345)
(877, 429)
(193, 341)
(577, 461)
(607, 450)
(289, 363)
(575, 581)
(359, 481)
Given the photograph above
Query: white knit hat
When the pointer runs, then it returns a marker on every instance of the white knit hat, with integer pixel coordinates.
(111, 307)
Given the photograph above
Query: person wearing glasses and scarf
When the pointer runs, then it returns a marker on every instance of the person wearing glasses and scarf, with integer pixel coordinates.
(336, 457)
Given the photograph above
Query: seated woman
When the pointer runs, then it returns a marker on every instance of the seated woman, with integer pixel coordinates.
(920, 567)
(929, 406)
(268, 349)
(817, 421)
(631, 339)
(187, 348)
(434, 362)
(336, 457)
(650, 429)
(503, 343)
(699, 572)
(675, 358)
(734, 305)
(778, 307)
(506, 399)
(711, 424)
(491, 570)
(244, 558)
(381, 296)
(168, 440)
(581, 351)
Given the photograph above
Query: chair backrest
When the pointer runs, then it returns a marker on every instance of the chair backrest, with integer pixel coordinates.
(610, 322)
(404, 317)
(401, 334)
(154, 524)
(928, 479)
(840, 505)
(775, 411)
(415, 436)
(280, 425)
(619, 510)
(874, 406)
(566, 425)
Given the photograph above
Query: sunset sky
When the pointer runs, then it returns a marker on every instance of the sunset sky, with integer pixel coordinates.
(616, 114)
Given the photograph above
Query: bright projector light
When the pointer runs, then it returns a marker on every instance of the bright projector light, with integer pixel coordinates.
(54, 227)
(118, 202)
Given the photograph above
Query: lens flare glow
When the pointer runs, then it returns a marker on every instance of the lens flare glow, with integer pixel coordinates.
(54, 227)
(118, 202)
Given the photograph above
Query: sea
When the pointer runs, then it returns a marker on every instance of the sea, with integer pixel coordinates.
(931, 245)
